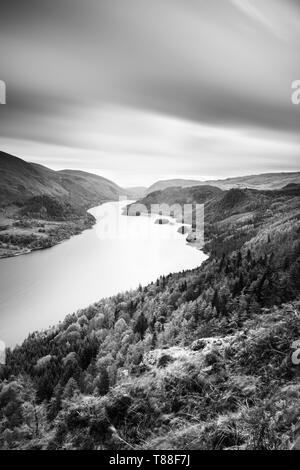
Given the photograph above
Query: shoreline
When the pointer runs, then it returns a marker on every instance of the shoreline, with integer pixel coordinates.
(73, 228)
(196, 243)
(58, 232)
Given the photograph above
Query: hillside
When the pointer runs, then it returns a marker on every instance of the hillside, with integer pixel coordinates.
(236, 205)
(21, 180)
(264, 181)
(177, 195)
(203, 359)
(164, 184)
(136, 192)
(40, 207)
(261, 182)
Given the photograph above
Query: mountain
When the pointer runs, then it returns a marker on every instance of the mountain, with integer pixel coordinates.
(21, 180)
(163, 184)
(262, 181)
(89, 188)
(136, 192)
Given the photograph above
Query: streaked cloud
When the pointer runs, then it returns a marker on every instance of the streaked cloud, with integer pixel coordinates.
(130, 146)
(140, 90)
(253, 11)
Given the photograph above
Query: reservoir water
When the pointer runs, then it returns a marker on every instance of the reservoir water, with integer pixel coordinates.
(39, 289)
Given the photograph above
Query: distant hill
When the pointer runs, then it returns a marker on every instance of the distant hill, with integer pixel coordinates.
(21, 180)
(136, 192)
(164, 184)
(262, 181)
(88, 187)
(177, 195)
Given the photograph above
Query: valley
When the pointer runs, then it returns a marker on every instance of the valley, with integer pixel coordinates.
(40, 207)
(198, 359)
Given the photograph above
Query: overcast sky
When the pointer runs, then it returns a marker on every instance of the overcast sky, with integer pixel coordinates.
(141, 90)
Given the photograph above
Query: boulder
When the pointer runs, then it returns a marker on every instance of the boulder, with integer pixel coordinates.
(192, 237)
(162, 221)
(183, 230)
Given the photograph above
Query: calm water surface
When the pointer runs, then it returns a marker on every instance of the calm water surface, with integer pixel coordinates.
(119, 253)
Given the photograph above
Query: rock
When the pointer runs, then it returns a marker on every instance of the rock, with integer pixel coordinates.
(162, 221)
(158, 358)
(183, 230)
(198, 344)
(192, 237)
(209, 344)
(164, 357)
(164, 360)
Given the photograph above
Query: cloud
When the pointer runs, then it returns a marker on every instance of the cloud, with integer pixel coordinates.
(248, 7)
(73, 67)
(134, 146)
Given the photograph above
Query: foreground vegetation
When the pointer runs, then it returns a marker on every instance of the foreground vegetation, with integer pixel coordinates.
(201, 359)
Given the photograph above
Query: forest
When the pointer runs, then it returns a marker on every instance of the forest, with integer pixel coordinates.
(201, 359)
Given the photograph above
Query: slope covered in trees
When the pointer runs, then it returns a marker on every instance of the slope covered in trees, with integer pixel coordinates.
(203, 359)
(22, 180)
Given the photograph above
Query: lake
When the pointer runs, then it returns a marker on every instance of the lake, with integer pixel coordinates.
(39, 289)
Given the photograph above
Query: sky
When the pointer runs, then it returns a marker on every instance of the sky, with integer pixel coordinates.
(139, 90)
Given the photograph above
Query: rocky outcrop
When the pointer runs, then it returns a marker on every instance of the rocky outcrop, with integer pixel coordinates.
(162, 221)
(183, 229)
